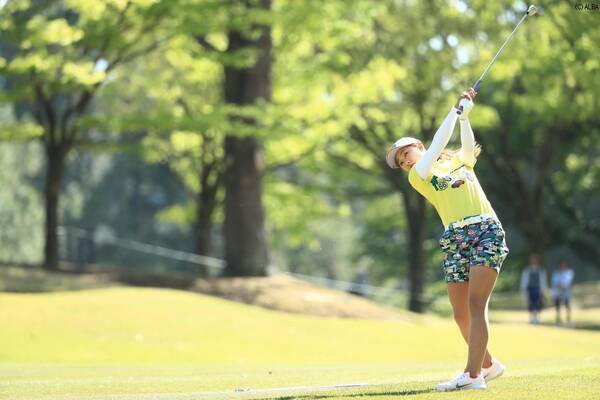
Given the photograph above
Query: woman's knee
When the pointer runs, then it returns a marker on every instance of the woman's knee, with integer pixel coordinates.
(477, 306)
(462, 318)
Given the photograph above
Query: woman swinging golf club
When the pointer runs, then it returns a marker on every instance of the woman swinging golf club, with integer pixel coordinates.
(473, 241)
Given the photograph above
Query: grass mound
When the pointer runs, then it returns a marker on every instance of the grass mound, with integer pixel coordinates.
(279, 292)
(284, 293)
(161, 325)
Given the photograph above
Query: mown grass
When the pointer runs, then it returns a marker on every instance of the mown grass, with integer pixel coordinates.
(384, 381)
(131, 343)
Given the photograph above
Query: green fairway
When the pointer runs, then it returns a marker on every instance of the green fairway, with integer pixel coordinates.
(127, 343)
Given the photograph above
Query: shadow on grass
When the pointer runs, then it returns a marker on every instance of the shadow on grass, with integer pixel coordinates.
(585, 326)
(579, 326)
(589, 327)
(357, 395)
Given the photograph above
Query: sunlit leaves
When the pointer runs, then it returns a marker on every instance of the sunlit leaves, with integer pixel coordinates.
(376, 83)
(179, 214)
(83, 73)
(48, 32)
(33, 62)
(292, 209)
(24, 132)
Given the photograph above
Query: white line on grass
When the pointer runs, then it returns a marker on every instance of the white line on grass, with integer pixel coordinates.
(300, 388)
(240, 393)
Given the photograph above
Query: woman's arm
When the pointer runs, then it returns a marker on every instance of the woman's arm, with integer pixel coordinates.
(467, 141)
(442, 137)
(440, 140)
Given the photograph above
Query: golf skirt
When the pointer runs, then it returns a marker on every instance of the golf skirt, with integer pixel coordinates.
(478, 241)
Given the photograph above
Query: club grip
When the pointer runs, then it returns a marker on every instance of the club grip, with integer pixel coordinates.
(476, 85)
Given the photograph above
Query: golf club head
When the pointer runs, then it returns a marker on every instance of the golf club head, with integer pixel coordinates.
(531, 10)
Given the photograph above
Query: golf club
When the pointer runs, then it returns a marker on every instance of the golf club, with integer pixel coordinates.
(464, 103)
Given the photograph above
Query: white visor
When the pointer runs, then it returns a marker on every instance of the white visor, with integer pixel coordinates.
(390, 157)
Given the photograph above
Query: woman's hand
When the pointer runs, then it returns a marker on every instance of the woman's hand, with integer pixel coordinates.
(464, 103)
(468, 95)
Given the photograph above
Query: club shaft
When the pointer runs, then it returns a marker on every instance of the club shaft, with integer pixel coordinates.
(476, 85)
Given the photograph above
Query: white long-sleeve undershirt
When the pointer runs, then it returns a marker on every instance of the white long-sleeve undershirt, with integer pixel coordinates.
(440, 140)
(467, 142)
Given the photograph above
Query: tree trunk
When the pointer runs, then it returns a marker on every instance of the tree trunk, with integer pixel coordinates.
(205, 207)
(203, 227)
(246, 251)
(245, 247)
(54, 173)
(416, 212)
(534, 228)
(416, 271)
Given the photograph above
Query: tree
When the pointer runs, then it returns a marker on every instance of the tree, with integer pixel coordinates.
(388, 87)
(186, 131)
(237, 38)
(57, 56)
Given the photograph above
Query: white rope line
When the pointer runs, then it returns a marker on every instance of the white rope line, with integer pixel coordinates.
(146, 248)
(219, 264)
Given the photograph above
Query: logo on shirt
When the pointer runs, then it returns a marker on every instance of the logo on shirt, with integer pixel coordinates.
(440, 182)
(455, 179)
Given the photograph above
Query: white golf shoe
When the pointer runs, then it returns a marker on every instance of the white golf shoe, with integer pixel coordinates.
(462, 381)
(493, 371)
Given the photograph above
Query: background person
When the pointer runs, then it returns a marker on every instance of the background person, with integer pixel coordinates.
(533, 285)
(562, 281)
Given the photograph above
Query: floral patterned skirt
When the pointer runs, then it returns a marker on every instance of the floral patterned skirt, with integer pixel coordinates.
(477, 244)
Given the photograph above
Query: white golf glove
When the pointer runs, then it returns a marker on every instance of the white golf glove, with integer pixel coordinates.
(464, 108)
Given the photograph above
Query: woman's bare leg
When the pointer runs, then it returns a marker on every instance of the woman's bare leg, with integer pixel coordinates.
(458, 293)
(481, 283)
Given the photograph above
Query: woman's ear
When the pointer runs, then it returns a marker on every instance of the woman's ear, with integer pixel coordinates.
(420, 146)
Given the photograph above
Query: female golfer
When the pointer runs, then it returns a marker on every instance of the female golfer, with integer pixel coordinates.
(473, 241)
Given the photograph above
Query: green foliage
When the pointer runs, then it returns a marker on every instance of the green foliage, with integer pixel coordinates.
(349, 78)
